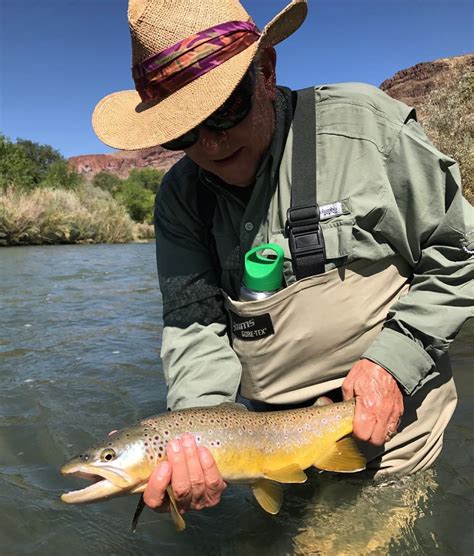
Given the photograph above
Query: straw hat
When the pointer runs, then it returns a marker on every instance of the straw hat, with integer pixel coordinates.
(123, 121)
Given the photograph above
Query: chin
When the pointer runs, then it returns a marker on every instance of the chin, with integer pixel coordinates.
(237, 177)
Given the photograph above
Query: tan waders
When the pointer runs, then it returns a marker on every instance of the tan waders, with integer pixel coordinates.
(321, 326)
(302, 341)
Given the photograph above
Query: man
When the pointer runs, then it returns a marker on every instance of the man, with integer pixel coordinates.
(371, 313)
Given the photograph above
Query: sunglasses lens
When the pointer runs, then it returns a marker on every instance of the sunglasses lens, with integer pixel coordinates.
(231, 113)
(183, 142)
(236, 107)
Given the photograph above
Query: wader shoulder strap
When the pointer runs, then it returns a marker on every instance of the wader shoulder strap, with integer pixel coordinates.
(302, 225)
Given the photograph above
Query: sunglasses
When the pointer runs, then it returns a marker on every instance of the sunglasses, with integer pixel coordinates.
(232, 112)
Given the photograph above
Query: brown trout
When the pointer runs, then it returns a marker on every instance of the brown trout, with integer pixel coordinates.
(261, 449)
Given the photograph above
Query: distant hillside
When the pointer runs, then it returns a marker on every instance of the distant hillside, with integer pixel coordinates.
(443, 94)
(121, 163)
(441, 91)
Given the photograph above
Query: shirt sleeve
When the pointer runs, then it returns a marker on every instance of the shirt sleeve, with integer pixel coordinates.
(199, 364)
(430, 223)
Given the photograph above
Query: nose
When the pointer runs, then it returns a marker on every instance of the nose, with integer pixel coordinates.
(211, 140)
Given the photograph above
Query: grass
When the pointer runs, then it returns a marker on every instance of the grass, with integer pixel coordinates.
(52, 216)
(447, 116)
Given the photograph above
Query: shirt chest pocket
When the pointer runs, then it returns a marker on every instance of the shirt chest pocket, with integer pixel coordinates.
(337, 234)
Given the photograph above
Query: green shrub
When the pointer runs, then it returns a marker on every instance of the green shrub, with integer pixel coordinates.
(47, 216)
(107, 181)
(60, 175)
(148, 178)
(138, 201)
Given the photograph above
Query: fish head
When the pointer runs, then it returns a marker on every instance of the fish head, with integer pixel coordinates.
(119, 465)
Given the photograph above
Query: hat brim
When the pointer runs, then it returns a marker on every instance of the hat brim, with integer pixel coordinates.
(122, 121)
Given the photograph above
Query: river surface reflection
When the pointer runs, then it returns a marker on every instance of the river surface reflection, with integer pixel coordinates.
(80, 333)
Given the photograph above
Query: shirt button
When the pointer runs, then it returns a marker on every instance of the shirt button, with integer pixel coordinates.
(248, 226)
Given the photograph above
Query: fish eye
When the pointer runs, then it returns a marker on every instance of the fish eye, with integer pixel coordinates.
(108, 454)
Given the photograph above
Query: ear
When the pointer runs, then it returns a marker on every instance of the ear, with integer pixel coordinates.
(268, 69)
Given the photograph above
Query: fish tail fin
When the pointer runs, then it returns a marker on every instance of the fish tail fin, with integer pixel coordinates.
(344, 457)
(176, 516)
(269, 495)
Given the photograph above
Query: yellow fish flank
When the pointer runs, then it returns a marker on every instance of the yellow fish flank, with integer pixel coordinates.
(261, 449)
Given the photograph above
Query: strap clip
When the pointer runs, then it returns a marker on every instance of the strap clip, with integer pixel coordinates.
(305, 240)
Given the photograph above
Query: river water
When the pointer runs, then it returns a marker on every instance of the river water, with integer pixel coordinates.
(80, 333)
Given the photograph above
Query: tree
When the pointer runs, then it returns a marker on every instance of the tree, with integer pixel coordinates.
(107, 181)
(137, 200)
(59, 175)
(16, 169)
(26, 164)
(149, 178)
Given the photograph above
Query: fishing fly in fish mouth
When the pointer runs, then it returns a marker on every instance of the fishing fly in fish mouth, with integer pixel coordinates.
(260, 449)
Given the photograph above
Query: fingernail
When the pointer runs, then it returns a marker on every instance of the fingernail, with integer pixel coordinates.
(174, 444)
(188, 440)
(163, 469)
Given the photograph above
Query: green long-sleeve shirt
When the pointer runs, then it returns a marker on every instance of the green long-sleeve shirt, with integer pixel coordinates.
(397, 194)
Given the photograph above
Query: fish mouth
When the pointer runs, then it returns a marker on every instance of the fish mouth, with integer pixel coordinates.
(106, 483)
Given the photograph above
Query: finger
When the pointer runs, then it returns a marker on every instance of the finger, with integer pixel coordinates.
(394, 422)
(180, 477)
(155, 491)
(380, 431)
(364, 421)
(195, 472)
(215, 484)
(348, 389)
(112, 432)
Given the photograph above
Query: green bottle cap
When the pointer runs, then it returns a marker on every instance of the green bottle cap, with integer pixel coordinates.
(264, 273)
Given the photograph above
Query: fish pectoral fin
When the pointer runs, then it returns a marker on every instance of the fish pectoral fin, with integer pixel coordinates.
(344, 457)
(269, 495)
(289, 474)
(176, 516)
(138, 512)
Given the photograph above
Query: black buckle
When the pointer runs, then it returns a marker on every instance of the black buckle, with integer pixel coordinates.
(302, 216)
(303, 230)
(305, 238)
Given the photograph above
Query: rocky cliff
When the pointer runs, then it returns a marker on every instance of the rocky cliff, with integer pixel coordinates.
(413, 85)
(120, 163)
(410, 85)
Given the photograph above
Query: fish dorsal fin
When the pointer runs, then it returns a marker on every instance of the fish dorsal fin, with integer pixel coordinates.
(176, 516)
(269, 495)
(289, 474)
(343, 456)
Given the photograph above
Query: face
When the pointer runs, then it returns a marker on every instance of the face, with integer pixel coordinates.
(235, 154)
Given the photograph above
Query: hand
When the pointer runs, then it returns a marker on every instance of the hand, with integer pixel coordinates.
(193, 474)
(379, 402)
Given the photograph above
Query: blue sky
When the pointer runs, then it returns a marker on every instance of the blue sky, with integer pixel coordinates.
(58, 58)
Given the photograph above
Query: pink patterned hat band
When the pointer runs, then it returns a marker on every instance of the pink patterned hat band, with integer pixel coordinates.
(164, 73)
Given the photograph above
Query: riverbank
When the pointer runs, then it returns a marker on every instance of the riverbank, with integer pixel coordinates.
(47, 216)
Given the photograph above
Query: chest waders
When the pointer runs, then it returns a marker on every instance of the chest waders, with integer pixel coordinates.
(303, 340)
